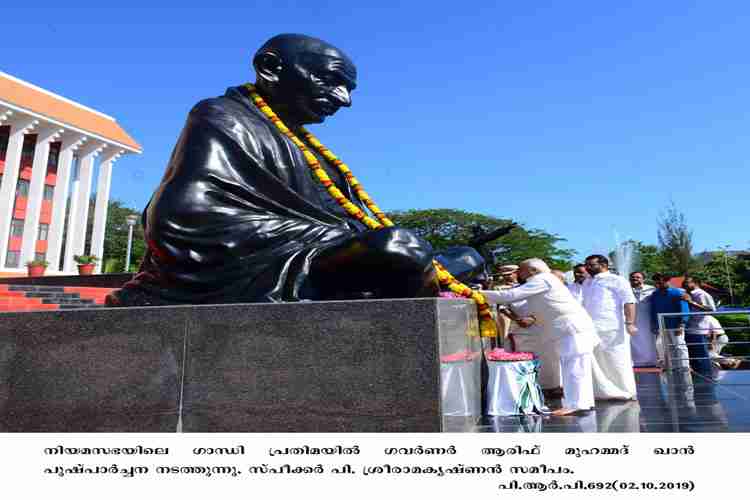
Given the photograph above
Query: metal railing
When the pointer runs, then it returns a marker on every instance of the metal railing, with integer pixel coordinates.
(674, 349)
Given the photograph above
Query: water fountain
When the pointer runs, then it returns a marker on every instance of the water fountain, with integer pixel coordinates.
(625, 255)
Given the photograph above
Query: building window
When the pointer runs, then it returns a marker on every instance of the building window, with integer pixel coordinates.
(54, 156)
(22, 188)
(11, 260)
(4, 135)
(27, 153)
(49, 192)
(40, 256)
(16, 228)
(43, 232)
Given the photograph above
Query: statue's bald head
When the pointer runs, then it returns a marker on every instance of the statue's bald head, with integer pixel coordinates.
(305, 76)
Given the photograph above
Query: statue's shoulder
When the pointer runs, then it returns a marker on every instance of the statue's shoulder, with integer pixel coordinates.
(231, 110)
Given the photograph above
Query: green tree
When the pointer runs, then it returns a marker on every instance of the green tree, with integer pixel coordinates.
(444, 227)
(727, 272)
(676, 240)
(116, 238)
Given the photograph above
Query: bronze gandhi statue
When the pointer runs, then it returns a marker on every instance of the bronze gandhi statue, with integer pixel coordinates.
(240, 217)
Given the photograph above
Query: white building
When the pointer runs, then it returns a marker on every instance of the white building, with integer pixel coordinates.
(49, 146)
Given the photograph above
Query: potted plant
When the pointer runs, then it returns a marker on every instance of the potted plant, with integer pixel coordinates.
(36, 267)
(86, 263)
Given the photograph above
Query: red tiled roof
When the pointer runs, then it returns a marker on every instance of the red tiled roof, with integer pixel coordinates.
(29, 97)
(677, 283)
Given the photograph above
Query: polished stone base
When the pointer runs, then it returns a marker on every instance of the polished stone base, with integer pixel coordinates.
(360, 366)
(666, 403)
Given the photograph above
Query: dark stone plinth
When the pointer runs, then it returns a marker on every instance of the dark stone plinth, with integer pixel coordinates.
(311, 367)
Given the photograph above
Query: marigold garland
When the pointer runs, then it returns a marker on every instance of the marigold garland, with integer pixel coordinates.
(487, 325)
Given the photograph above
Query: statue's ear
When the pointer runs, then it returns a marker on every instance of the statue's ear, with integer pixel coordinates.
(268, 65)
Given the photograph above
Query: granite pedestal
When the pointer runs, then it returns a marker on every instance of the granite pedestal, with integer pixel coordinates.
(360, 366)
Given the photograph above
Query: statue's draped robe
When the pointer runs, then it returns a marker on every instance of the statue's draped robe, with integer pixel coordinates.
(239, 215)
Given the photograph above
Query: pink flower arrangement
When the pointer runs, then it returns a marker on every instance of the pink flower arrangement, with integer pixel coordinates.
(498, 354)
(459, 356)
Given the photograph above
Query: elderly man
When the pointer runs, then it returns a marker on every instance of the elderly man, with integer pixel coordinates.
(559, 275)
(643, 343)
(525, 333)
(579, 276)
(564, 324)
(240, 216)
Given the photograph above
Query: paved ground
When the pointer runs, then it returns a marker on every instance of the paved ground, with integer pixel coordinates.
(665, 404)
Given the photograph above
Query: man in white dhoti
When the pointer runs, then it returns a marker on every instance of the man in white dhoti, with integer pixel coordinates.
(579, 276)
(564, 323)
(609, 300)
(643, 343)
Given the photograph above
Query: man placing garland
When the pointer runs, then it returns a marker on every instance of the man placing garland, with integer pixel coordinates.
(565, 326)
(253, 208)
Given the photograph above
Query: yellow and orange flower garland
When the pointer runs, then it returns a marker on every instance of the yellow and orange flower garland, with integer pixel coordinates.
(487, 325)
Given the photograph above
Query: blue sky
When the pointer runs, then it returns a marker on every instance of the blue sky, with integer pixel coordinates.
(579, 118)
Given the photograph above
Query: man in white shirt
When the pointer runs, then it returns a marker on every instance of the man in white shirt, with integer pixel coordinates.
(606, 297)
(579, 276)
(699, 300)
(565, 325)
(643, 343)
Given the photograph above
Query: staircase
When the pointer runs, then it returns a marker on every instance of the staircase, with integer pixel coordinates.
(23, 298)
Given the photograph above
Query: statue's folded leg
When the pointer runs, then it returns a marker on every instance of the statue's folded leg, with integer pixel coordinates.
(384, 263)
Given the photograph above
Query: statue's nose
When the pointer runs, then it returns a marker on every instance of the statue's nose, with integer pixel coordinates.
(342, 95)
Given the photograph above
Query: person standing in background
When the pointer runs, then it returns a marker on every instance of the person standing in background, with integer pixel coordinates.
(667, 299)
(698, 327)
(643, 344)
(579, 276)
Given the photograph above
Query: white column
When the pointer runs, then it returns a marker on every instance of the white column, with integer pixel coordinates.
(36, 191)
(100, 209)
(76, 235)
(68, 264)
(18, 128)
(70, 143)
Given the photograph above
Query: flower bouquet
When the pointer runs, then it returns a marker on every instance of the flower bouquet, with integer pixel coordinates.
(512, 387)
(459, 356)
(500, 354)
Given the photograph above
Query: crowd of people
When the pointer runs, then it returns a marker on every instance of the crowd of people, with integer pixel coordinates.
(590, 333)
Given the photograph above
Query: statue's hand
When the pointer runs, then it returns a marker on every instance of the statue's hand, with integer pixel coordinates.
(483, 239)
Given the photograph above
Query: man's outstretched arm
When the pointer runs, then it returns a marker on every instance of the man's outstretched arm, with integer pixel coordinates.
(522, 292)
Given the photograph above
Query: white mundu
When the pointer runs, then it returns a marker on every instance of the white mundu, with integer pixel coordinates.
(604, 297)
(643, 344)
(568, 328)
